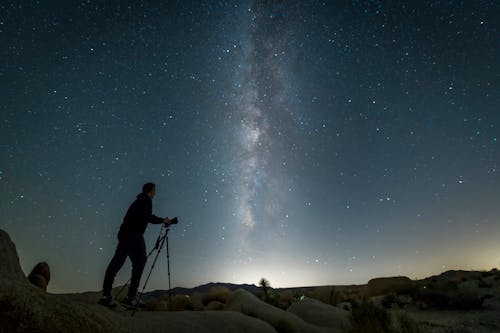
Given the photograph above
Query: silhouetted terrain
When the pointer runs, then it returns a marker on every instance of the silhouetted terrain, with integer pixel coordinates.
(452, 302)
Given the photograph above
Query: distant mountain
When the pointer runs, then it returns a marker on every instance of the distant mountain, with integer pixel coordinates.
(202, 289)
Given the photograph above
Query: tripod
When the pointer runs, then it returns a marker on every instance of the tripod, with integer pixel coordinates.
(160, 242)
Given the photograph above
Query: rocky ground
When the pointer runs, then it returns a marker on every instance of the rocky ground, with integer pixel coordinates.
(460, 321)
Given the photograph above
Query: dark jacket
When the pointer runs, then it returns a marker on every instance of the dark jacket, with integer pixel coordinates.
(138, 215)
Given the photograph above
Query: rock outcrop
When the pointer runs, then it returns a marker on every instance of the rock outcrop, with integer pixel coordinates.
(40, 275)
(387, 285)
(320, 314)
(9, 260)
(282, 321)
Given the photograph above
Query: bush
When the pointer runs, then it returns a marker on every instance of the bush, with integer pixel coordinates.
(219, 294)
(407, 325)
(179, 303)
(366, 317)
(284, 299)
(448, 296)
(483, 284)
(196, 301)
(396, 301)
(339, 297)
(388, 301)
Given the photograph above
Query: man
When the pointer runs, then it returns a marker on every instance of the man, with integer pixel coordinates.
(131, 244)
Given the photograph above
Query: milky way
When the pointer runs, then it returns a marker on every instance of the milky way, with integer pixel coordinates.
(263, 109)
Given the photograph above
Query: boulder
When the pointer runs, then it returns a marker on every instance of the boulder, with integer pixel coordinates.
(320, 314)
(282, 321)
(40, 275)
(9, 260)
(215, 306)
(387, 285)
(344, 305)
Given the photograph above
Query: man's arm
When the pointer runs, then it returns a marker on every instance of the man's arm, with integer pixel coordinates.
(156, 220)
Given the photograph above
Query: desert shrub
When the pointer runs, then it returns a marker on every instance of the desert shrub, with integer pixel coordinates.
(449, 285)
(483, 284)
(468, 299)
(181, 303)
(406, 324)
(366, 317)
(388, 300)
(447, 296)
(196, 301)
(393, 300)
(408, 290)
(486, 274)
(433, 297)
(265, 286)
(157, 304)
(339, 297)
(219, 294)
(284, 299)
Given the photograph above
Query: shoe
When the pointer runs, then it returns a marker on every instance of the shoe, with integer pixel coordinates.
(106, 301)
(132, 302)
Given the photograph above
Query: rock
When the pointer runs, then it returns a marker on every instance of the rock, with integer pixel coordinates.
(40, 275)
(387, 285)
(282, 321)
(9, 260)
(215, 306)
(344, 305)
(320, 314)
(324, 294)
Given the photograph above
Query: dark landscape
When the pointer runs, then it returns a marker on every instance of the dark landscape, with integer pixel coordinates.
(452, 302)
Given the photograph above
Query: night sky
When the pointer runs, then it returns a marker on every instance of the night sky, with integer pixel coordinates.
(309, 143)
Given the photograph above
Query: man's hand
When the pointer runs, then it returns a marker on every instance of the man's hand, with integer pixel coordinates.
(166, 221)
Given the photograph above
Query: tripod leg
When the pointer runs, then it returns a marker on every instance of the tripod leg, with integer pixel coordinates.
(169, 286)
(152, 267)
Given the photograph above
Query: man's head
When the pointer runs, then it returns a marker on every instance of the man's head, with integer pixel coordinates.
(149, 189)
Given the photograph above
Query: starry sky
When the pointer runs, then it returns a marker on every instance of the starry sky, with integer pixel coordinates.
(309, 143)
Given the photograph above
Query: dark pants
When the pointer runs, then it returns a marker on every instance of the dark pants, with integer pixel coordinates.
(128, 246)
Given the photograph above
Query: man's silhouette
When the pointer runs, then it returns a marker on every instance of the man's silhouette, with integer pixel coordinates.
(131, 244)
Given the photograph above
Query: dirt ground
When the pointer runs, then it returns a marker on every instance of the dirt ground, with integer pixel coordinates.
(486, 320)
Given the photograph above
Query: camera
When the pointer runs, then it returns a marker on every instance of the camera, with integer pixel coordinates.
(174, 220)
